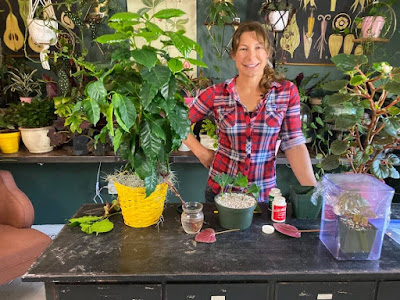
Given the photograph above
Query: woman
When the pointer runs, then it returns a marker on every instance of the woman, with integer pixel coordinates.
(251, 111)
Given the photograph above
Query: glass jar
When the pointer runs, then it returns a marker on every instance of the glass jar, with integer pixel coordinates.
(192, 217)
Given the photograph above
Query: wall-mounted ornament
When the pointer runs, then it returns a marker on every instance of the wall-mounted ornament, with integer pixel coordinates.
(13, 37)
(341, 21)
(320, 43)
(357, 3)
(304, 3)
(290, 39)
(333, 5)
(307, 37)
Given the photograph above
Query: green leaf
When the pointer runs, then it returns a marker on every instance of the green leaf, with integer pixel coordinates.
(223, 180)
(148, 92)
(319, 121)
(85, 219)
(175, 65)
(124, 17)
(345, 121)
(145, 57)
(393, 173)
(346, 62)
(357, 80)
(197, 62)
(143, 166)
(392, 126)
(92, 110)
(393, 159)
(150, 182)
(169, 13)
(96, 91)
(150, 143)
(338, 147)
(126, 109)
(115, 38)
(109, 118)
(365, 103)
(393, 110)
(180, 121)
(117, 139)
(338, 98)
(154, 28)
(330, 162)
(254, 190)
(182, 43)
(379, 170)
(393, 87)
(157, 76)
(335, 85)
(361, 157)
(102, 226)
(169, 89)
(240, 180)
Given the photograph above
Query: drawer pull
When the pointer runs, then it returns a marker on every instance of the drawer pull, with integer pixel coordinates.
(325, 297)
(217, 297)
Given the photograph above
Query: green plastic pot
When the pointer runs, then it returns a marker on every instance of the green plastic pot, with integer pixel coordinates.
(234, 218)
(303, 208)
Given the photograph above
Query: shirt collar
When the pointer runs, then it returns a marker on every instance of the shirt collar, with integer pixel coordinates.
(230, 83)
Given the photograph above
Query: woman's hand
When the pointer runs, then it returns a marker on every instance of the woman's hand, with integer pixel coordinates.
(206, 157)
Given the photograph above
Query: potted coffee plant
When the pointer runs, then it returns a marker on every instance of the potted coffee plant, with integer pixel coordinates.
(24, 84)
(235, 208)
(371, 131)
(34, 120)
(145, 115)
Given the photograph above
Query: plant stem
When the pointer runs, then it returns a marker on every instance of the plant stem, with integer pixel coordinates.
(229, 230)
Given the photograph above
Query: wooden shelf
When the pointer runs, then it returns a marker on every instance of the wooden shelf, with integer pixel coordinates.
(371, 40)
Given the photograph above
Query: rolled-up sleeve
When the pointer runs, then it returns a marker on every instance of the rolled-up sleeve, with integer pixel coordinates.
(202, 105)
(291, 132)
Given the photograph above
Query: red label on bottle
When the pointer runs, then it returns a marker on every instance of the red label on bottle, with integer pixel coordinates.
(279, 213)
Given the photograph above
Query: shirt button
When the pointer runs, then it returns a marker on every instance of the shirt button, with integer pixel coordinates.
(248, 155)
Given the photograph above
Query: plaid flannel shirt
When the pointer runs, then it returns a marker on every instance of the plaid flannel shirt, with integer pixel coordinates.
(246, 142)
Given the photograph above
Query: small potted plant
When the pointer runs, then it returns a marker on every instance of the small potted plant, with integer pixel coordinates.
(9, 135)
(24, 84)
(235, 208)
(276, 13)
(34, 120)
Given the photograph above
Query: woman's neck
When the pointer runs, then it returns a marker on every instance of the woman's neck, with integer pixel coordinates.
(248, 84)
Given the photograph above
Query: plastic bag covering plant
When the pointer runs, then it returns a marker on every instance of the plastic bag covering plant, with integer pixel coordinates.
(372, 130)
(240, 181)
(138, 95)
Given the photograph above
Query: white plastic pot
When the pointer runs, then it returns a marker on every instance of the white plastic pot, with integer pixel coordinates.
(278, 19)
(43, 31)
(36, 139)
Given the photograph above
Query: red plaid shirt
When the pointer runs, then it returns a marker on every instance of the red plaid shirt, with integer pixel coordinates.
(246, 143)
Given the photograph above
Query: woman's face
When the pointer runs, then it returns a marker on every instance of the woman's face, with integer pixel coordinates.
(251, 56)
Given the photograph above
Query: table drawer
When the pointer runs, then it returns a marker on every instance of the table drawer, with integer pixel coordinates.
(217, 291)
(108, 291)
(389, 290)
(325, 290)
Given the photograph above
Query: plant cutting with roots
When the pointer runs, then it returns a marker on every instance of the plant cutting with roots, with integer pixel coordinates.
(371, 130)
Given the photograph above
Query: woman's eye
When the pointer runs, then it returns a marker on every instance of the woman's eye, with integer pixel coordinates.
(242, 49)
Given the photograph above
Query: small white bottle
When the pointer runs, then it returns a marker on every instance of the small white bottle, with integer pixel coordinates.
(279, 209)
(272, 194)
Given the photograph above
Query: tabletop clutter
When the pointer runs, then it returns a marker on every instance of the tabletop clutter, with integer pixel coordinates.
(354, 217)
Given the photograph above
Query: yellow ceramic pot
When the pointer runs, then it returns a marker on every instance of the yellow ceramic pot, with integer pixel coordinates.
(9, 142)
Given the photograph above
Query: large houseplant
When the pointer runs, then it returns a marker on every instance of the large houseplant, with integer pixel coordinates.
(137, 94)
(371, 127)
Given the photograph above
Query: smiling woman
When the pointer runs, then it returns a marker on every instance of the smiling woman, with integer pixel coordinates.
(251, 111)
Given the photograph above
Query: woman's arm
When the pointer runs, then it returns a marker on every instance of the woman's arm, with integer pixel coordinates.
(205, 155)
(299, 160)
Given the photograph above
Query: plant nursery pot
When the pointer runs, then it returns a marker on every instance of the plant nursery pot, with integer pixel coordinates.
(355, 241)
(25, 99)
(234, 218)
(80, 145)
(372, 26)
(278, 19)
(9, 142)
(303, 208)
(36, 139)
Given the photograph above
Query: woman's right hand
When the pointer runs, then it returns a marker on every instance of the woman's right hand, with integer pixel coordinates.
(206, 157)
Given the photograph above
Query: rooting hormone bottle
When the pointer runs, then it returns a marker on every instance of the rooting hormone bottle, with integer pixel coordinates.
(279, 209)
(272, 194)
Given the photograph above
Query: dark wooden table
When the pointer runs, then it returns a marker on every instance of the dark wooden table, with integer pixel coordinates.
(165, 263)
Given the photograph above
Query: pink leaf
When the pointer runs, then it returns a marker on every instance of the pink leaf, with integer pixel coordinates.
(287, 229)
(206, 236)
